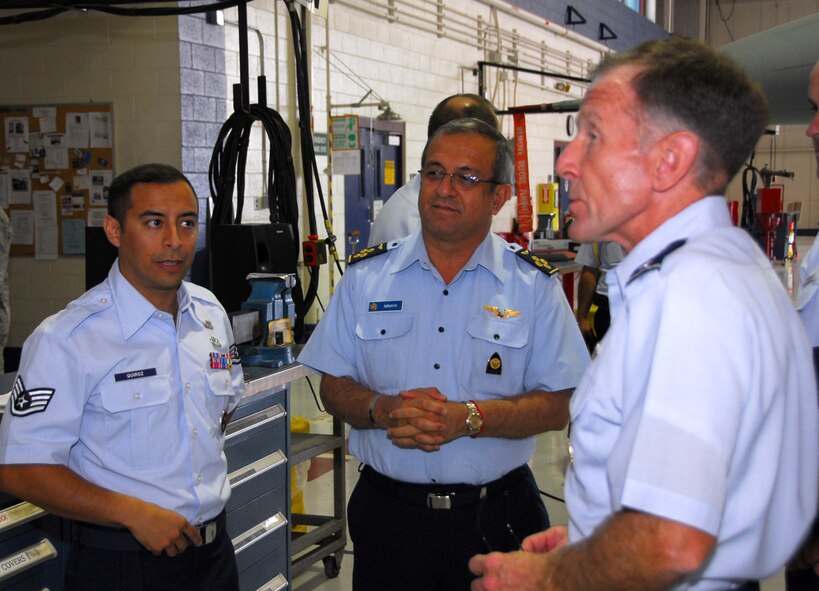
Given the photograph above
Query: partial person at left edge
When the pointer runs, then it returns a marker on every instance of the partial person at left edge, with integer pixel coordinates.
(118, 414)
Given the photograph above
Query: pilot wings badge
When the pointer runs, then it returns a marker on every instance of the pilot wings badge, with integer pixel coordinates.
(501, 312)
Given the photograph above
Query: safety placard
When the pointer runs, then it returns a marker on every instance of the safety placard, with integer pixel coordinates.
(345, 132)
(389, 172)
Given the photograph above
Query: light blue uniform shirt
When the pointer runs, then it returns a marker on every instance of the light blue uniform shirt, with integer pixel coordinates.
(399, 216)
(807, 302)
(393, 325)
(700, 406)
(112, 389)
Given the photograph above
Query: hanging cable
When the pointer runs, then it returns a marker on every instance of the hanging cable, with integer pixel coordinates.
(226, 173)
(749, 176)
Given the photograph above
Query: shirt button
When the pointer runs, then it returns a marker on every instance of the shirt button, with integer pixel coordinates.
(437, 366)
(103, 300)
(196, 430)
(383, 331)
(440, 329)
(496, 337)
(137, 395)
(446, 292)
(199, 479)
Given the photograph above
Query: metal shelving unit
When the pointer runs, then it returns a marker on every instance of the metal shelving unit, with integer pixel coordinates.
(326, 535)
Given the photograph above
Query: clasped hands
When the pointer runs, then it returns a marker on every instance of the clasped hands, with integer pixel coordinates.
(423, 418)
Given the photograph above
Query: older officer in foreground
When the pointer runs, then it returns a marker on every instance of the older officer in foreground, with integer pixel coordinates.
(446, 351)
(118, 414)
(694, 430)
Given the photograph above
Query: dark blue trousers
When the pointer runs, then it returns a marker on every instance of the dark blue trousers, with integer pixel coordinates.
(401, 544)
(211, 567)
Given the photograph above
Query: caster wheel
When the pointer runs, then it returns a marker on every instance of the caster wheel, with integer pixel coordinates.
(331, 567)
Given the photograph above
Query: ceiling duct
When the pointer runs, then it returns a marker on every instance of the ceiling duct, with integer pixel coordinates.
(781, 59)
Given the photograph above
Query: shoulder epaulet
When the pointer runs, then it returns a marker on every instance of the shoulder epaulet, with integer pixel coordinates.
(656, 261)
(372, 251)
(91, 302)
(535, 260)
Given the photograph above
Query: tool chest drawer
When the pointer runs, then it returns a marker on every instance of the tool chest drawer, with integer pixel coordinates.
(259, 434)
(262, 551)
(32, 551)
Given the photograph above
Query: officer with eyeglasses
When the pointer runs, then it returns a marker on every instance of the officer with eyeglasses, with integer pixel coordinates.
(447, 351)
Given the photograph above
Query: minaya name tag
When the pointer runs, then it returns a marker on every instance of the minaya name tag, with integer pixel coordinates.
(133, 375)
(390, 306)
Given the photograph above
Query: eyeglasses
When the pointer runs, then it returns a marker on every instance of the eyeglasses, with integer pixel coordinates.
(464, 181)
(512, 542)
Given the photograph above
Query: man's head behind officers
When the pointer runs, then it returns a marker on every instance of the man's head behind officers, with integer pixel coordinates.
(462, 106)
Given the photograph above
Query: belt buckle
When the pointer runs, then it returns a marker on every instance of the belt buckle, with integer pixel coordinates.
(209, 533)
(435, 501)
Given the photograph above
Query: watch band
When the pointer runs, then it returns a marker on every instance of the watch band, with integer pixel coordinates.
(474, 419)
(371, 410)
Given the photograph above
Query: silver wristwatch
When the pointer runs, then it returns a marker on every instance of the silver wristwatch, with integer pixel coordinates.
(474, 419)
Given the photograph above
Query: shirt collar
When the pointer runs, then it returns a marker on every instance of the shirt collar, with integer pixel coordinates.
(702, 216)
(485, 255)
(133, 309)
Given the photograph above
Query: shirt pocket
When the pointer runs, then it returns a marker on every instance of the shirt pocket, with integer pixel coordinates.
(220, 396)
(498, 354)
(382, 338)
(141, 422)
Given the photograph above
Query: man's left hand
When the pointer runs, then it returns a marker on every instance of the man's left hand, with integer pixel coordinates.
(514, 571)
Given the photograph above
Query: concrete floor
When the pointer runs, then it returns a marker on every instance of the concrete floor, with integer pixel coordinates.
(548, 464)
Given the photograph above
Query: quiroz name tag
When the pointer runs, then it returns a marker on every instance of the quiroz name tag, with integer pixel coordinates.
(134, 375)
(386, 306)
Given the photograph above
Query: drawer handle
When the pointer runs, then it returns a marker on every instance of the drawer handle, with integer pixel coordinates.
(19, 514)
(26, 558)
(264, 529)
(260, 466)
(278, 583)
(244, 424)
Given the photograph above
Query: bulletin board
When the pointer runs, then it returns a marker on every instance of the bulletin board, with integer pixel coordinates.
(56, 165)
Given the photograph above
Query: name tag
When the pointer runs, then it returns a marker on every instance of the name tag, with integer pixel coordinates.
(136, 374)
(390, 306)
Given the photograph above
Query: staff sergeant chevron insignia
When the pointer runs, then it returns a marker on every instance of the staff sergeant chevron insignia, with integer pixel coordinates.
(27, 402)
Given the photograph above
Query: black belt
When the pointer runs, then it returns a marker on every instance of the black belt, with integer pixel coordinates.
(445, 496)
(120, 539)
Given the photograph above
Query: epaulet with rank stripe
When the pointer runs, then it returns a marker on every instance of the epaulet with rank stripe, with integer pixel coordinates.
(535, 260)
(370, 252)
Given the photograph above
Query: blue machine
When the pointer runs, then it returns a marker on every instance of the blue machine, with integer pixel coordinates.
(271, 297)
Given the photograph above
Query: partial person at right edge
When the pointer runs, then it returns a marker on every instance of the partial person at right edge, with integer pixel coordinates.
(803, 571)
